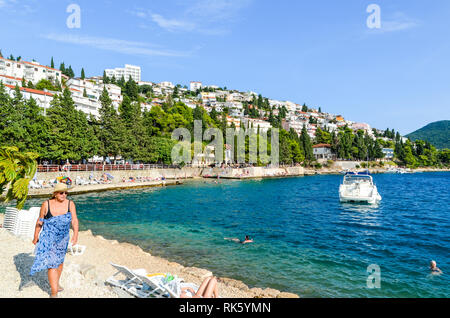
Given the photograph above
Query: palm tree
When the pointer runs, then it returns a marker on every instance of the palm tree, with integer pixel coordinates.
(16, 171)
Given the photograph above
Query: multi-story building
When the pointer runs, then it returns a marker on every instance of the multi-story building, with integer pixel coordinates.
(235, 97)
(207, 97)
(42, 98)
(166, 85)
(263, 125)
(9, 80)
(194, 86)
(235, 121)
(126, 72)
(94, 90)
(30, 71)
(388, 153)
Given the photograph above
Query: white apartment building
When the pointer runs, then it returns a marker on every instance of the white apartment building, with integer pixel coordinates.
(330, 127)
(94, 90)
(235, 97)
(297, 126)
(9, 80)
(166, 85)
(263, 125)
(87, 105)
(207, 96)
(126, 72)
(42, 98)
(142, 83)
(30, 71)
(194, 86)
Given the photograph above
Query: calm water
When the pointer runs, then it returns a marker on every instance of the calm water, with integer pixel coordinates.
(306, 242)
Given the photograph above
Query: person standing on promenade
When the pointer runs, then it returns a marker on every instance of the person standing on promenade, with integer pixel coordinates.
(51, 246)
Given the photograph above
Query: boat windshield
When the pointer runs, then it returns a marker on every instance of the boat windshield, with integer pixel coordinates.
(351, 179)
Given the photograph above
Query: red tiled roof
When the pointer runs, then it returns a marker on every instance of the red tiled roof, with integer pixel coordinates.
(14, 78)
(54, 69)
(31, 90)
(322, 146)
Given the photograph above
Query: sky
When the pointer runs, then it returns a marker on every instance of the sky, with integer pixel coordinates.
(322, 53)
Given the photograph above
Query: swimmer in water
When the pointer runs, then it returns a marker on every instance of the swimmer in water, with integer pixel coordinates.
(245, 241)
(434, 269)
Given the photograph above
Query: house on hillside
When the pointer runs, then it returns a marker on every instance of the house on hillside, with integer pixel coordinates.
(323, 151)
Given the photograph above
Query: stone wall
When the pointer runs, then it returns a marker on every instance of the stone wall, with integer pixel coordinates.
(185, 173)
(253, 172)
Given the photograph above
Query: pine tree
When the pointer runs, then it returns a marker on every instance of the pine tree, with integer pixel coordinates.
(83, 75)
(52, 63)
(105, 78)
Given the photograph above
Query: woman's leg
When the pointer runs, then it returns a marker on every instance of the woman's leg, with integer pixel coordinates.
(53, 278)
(211, 289)
(202, 287)
(60, 269)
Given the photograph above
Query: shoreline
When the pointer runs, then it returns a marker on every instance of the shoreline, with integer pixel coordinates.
(84, 276)
(213, 174)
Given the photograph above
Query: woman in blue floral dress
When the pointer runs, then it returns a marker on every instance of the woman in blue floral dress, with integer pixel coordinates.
(55, 218)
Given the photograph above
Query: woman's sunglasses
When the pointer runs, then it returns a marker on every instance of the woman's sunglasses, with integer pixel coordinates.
(66, 193)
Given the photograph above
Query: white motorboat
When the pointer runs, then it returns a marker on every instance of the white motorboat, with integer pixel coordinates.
(359, 187)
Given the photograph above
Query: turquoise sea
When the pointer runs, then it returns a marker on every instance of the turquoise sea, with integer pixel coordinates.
(306, 242)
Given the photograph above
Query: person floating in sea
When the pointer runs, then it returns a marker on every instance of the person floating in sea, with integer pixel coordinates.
(245, 241)
(434, 269)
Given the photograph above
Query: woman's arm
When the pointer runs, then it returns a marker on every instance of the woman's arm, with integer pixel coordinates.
(39, 224)
(73, 211)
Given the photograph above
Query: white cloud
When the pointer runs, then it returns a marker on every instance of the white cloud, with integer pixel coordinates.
(210, 17)
(397, 22)
(172, 24)
(115, 45)
(217, 9)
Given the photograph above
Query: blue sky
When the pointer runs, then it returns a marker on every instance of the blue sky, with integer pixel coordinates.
(316, 52)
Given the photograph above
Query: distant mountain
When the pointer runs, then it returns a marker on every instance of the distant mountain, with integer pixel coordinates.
(437, 133)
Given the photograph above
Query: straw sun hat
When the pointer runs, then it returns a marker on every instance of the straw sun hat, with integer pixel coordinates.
(60, 187)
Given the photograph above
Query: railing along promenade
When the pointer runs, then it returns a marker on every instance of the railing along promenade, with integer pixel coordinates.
(128, 167)
(105, 167)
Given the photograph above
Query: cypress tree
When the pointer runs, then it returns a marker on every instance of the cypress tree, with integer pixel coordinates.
(112, 131)
(305, 141)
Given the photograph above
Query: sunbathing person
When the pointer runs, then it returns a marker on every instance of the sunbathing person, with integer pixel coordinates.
(208, 289)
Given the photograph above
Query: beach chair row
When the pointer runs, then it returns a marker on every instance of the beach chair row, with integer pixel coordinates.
(21, 222)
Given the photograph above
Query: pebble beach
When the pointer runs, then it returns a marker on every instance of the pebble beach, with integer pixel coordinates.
(84, 275)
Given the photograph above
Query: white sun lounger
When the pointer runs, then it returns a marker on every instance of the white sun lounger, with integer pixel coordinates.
(10, 220)
(155, 286)
(132, 283)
